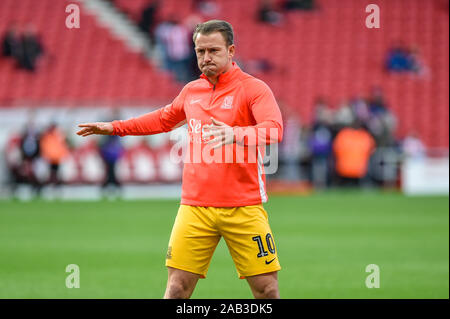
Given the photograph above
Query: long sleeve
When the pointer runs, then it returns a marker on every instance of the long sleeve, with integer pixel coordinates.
(162, 120)
(265, 110)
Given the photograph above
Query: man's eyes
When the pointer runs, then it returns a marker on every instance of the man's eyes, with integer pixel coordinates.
(203, 51)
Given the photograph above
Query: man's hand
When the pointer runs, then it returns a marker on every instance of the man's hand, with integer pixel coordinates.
(101, 128)
(223, 133)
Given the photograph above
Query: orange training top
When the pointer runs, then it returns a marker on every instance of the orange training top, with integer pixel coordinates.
(232, 175)
(53, 146)
(353, 148)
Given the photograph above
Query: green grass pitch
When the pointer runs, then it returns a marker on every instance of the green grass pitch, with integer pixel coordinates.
(324, 242)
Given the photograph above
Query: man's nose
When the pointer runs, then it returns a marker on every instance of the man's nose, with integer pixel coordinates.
(207, 57)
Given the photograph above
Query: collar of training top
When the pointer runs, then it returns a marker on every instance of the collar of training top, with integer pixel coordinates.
(225, 77)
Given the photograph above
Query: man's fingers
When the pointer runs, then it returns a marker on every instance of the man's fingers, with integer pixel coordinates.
(213, 133)
(99, 128)
(87, 129)
(216, 122)
(212, 127)
(87, 125)
(220, 144)
(80, 132)
(215, 140)
(87, 134)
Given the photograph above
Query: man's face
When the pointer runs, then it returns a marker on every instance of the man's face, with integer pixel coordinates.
(213, 55)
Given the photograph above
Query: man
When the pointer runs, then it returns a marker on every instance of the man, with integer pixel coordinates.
(353, 147)
(225, 109)
(54, 150)
(11, 42)
(31, 49)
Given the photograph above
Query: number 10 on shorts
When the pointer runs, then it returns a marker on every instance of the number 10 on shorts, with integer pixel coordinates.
(270, 245)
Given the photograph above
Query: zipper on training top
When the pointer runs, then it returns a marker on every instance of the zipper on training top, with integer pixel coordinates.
(212, 95)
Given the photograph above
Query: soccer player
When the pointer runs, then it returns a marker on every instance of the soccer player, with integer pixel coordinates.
(225, 109)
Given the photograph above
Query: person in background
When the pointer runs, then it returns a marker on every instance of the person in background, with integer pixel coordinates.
(13, 157)
(258, 66)
(54, 150)
(413, 147)
(30, 49)
(352, 148)
(172, 38)
(178, 51)
(290, 148)
(299, 5)
(191, 23)
(11, 42)
(343, 116)
(148, 18)
(208, 8)
(267, 13)
(401, 58)
(30, 152)
(377, 101)
(320, 144)
(111, 150)
(381, 122)
(161, 34)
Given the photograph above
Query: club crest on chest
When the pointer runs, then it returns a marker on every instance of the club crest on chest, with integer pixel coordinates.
(227, 102)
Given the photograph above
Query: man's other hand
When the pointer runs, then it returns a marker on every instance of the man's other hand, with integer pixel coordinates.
(223, 134)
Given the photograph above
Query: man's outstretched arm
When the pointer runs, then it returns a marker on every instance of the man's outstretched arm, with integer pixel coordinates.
(161, 120)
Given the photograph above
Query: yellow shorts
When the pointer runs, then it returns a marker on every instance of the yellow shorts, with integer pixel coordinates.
(197, 231)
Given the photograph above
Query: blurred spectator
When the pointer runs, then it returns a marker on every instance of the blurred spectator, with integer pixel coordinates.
(418, 67)
(381, 122)
(397, 59)
(299, 4)
(174, 39)
(413, 147)
(360, 109)
(403, 59)
(11, 42)
(111, 151)
(178, 51)
(54, 150)
(320, 144)
(161, 35)
(192, 65)
(290, 146)
(256, 66)
(30, 49)
(377, 102)
(352, 148)
(13, 159)
(148, 18)
(267, 13)
(191, 22)
(382, 128)
(344, 116)
(208, 8)
(30, 151)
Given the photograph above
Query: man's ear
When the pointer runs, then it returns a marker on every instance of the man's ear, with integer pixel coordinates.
(231, 50)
